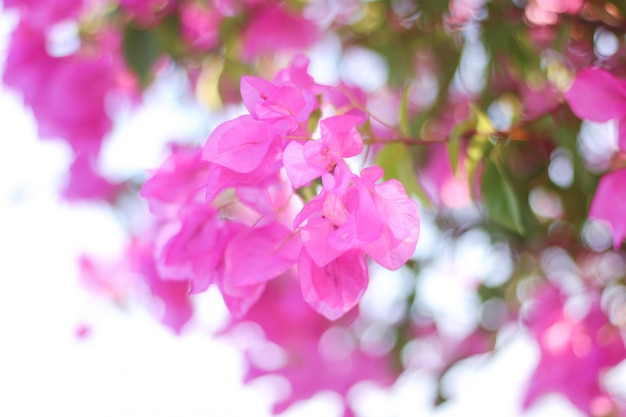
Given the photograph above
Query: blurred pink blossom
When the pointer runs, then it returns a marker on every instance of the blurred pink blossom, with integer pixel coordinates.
(546, 12)
(276, 29)
(575, 352)
(45, 13)
(134, 273)
(200, 26)
(609, 204)
(320, 354)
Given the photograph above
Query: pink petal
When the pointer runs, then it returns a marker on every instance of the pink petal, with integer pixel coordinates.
(400, 213)
(609, 203)
(296, 73)
(200, 26)
(340, 132)
(254, 92)
(239, 299)
(173, 296)
(315, 237)
(597, 95)
(300, 171)
(239, 144)
(261, 254)
(387, 253)
(285, 105)
(275, 30)
(336, 288)
(371, 175)
(369, 224)
(179, 179)
(85, 183)
(190, 248)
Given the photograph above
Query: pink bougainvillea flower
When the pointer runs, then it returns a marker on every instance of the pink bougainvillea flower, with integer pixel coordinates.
(574, 352)
(319, 354)
(45, 13)
(381, 220)
(308, 160)
(85, 183)
(67, 94)
(112, 280)
(272, 197)
(303, 162)
(240, 144)
(540, 101)
(337, 287)
(190, 248)
(268, 251)
(239, 298)
(285, 106)
(546, 12)
(599, 96)
(609, 204)
(561, 6)
(378, 218)
(175, 306)
(462, 11)
(221, 178)
(276, 29)
(340, 136)
(127, 277)
(318, 220)
(200, 26)
(296, 73)
(181, 179)
(345, 99)
(399, 217)
(444, 188)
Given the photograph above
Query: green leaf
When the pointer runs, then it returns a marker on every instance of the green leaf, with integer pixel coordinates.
(141, 50)
(167, 33)
(499, 197)
(314, 118)
(483, 124)
(404, 113)
(479, 145)
(454, 141)
(395, 159)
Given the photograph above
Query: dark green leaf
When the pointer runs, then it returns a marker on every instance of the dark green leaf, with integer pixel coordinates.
(141, 50)
(499, 197)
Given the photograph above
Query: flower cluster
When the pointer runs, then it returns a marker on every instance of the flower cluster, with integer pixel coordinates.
(272, 190)
(73, 91)
(68, 91)
(284, 208)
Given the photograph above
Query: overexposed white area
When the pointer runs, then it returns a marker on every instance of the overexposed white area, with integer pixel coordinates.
(131, 366)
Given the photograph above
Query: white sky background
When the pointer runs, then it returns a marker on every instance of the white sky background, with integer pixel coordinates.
(130, 365)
